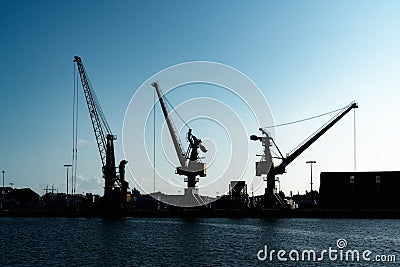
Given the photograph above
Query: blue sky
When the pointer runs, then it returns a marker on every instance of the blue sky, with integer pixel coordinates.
(308, 57)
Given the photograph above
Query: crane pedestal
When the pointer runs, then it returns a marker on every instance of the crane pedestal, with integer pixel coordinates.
(191, 180)
(191, 172)
(191, 198)
(191, 191)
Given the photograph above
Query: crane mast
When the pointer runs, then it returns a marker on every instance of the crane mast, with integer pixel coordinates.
(105, 142)
(190, 165)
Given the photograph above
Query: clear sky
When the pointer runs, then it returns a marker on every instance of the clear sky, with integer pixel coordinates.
(308, 57)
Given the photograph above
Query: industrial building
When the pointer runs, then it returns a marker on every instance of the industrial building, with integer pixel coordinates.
(17, 198)
(359, 190)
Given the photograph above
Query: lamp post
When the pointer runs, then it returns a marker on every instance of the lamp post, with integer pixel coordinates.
(311, 162)
(67, 167)
(2, 191)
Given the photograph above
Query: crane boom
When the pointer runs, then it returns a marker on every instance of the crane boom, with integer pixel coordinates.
(99, 122)
(171, 128)
(280, 169)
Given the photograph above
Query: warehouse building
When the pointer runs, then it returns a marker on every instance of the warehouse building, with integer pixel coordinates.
(360, 190)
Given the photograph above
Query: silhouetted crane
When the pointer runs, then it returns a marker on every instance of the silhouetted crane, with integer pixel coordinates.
(281, 168)
(116, 189)
(190, 164)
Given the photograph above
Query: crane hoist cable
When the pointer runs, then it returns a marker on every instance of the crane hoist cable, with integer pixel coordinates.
(154, 141)
(171, 107)
(306, 119)
(74, 133)
(174, 110)
(99, 109)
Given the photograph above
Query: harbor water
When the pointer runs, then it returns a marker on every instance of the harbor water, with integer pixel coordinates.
(199, 242)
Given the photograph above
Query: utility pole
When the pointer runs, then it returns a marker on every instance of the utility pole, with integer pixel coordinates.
(311, 162)
(67, 166)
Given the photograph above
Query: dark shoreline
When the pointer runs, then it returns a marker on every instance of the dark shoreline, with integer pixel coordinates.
(210, 213)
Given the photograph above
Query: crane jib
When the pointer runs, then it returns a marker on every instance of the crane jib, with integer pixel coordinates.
(99, 123)
(280, 169)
